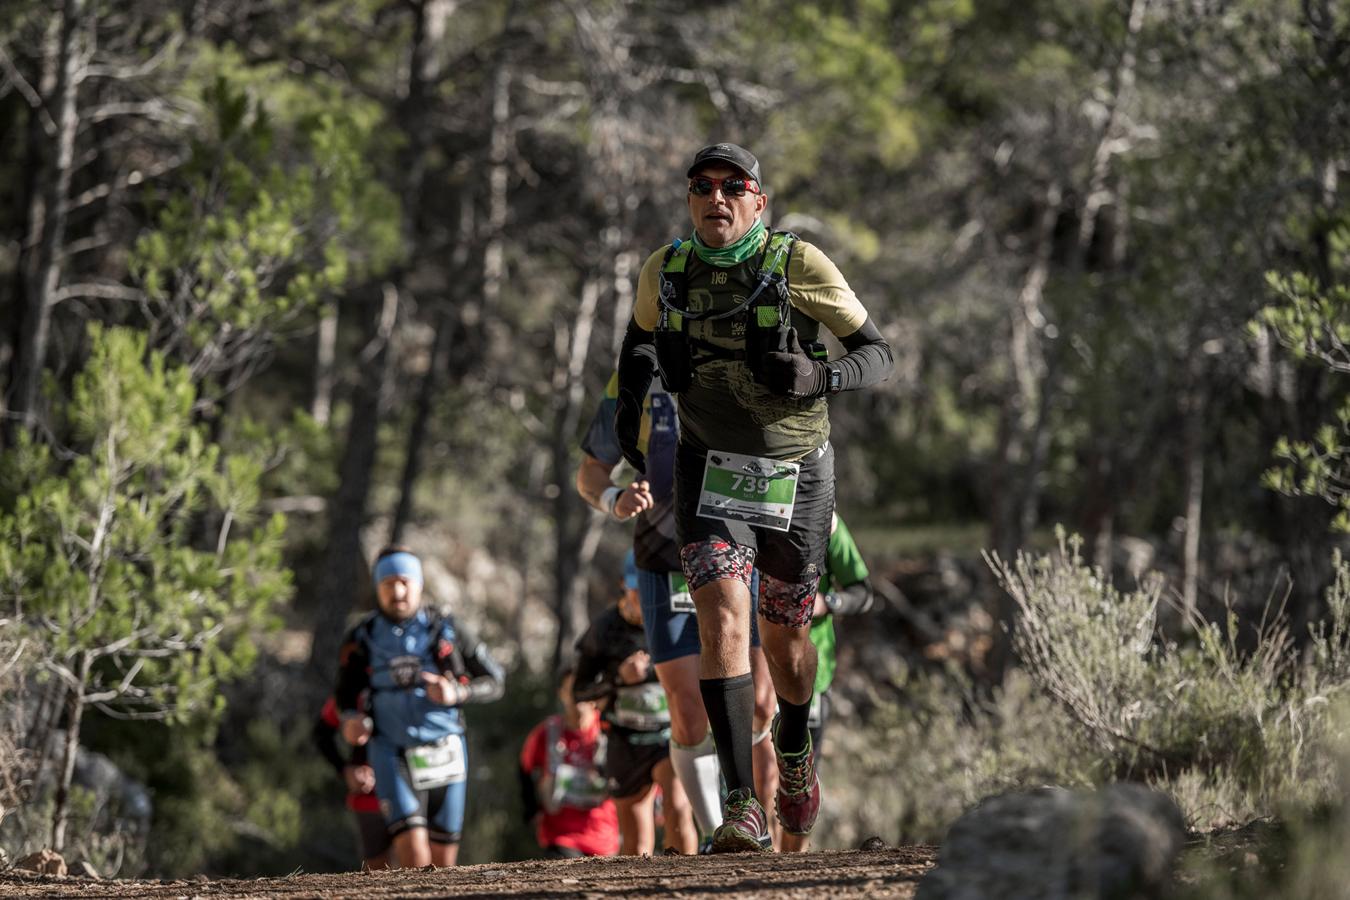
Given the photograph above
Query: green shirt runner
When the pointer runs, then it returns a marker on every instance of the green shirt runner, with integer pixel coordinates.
(843, 566)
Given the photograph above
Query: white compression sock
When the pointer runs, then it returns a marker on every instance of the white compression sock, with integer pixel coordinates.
(701, 776)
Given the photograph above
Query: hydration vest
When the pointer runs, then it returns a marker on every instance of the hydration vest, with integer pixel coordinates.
(578, 787)
(767, 312)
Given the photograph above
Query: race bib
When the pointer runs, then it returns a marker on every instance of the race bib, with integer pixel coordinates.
(641, 707)
(749, 489)
(681, 601)
(436, 765)
(578, 788)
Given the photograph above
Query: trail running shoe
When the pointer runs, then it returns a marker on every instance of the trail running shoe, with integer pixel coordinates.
(744, 828)
(798, 799)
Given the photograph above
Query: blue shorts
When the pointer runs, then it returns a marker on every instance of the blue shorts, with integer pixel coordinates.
(439, 810)
(671, 635)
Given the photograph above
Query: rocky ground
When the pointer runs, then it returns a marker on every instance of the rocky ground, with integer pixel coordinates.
(886, 873)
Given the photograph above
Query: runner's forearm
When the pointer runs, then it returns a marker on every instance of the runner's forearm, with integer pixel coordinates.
(852, 600)
(593, 480)
(487, 678)
(592, 681)
(868, 361)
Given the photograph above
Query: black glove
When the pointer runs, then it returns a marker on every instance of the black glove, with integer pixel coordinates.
(790, 372)
(627, 426)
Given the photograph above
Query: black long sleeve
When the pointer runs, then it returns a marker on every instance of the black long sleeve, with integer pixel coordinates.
(637, 361)
(852, 600)
(637, 366)
(869, 360)
(487, 679)
(594, 678)
(353, 673)
(470, 663)
(325, 739)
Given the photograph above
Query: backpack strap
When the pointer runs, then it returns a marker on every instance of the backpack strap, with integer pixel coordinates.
(774, 308)
(674, 289)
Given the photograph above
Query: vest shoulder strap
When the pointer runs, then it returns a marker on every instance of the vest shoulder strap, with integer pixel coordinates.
(773, 307)
(672, 283)
(677, 256)
(778, 253)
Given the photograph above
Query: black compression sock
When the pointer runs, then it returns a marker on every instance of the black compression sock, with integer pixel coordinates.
(792, 730)
(730, 703)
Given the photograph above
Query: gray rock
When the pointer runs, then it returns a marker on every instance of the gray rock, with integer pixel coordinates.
(125, 802)
(1118, 843)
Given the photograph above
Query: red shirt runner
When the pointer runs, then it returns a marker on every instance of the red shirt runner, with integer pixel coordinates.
(356, 802)
(593, 831)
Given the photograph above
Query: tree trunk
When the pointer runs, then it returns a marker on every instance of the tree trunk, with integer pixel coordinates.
(1095, 195)
(526, 544)
(573, 548)
(428, 34)
(32, 198)
(74, 715)
(1195, 489)
(325, 373)
(499, 149)
(1022, 403)
(344, 565)
(417, 432)
(30, 353)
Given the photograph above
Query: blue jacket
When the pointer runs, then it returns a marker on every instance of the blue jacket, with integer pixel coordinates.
(388, 658)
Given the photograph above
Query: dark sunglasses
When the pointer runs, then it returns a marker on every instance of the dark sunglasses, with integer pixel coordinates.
(736, 186)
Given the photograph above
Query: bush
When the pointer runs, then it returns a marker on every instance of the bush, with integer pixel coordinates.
(1232, 729)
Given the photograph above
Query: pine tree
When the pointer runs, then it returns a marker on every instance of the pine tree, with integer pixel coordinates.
(103, 557)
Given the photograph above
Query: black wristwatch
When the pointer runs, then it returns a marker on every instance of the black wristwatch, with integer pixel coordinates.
(835, 378)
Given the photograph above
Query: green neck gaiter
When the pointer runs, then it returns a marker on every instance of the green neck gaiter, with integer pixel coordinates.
(730, 255)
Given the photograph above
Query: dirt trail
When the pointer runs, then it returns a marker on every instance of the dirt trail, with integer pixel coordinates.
(890, 873)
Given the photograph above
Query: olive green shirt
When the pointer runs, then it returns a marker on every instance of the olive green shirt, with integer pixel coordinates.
(725, 408)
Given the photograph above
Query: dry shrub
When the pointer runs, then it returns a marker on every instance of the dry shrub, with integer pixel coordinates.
(1232, 730)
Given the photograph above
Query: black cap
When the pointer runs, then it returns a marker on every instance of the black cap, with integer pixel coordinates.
(739, 157)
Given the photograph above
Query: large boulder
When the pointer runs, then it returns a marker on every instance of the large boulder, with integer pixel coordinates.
(1118, 843)
(124, 802)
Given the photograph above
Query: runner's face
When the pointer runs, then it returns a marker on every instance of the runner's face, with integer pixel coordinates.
(399, 597)
(721, 220)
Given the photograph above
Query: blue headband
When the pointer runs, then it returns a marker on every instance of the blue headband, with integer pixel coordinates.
(401, 563)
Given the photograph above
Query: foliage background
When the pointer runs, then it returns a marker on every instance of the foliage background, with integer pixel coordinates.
(392, 245)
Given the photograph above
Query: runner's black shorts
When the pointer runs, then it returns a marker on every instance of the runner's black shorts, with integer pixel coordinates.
(630, 757)
(796, 555)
